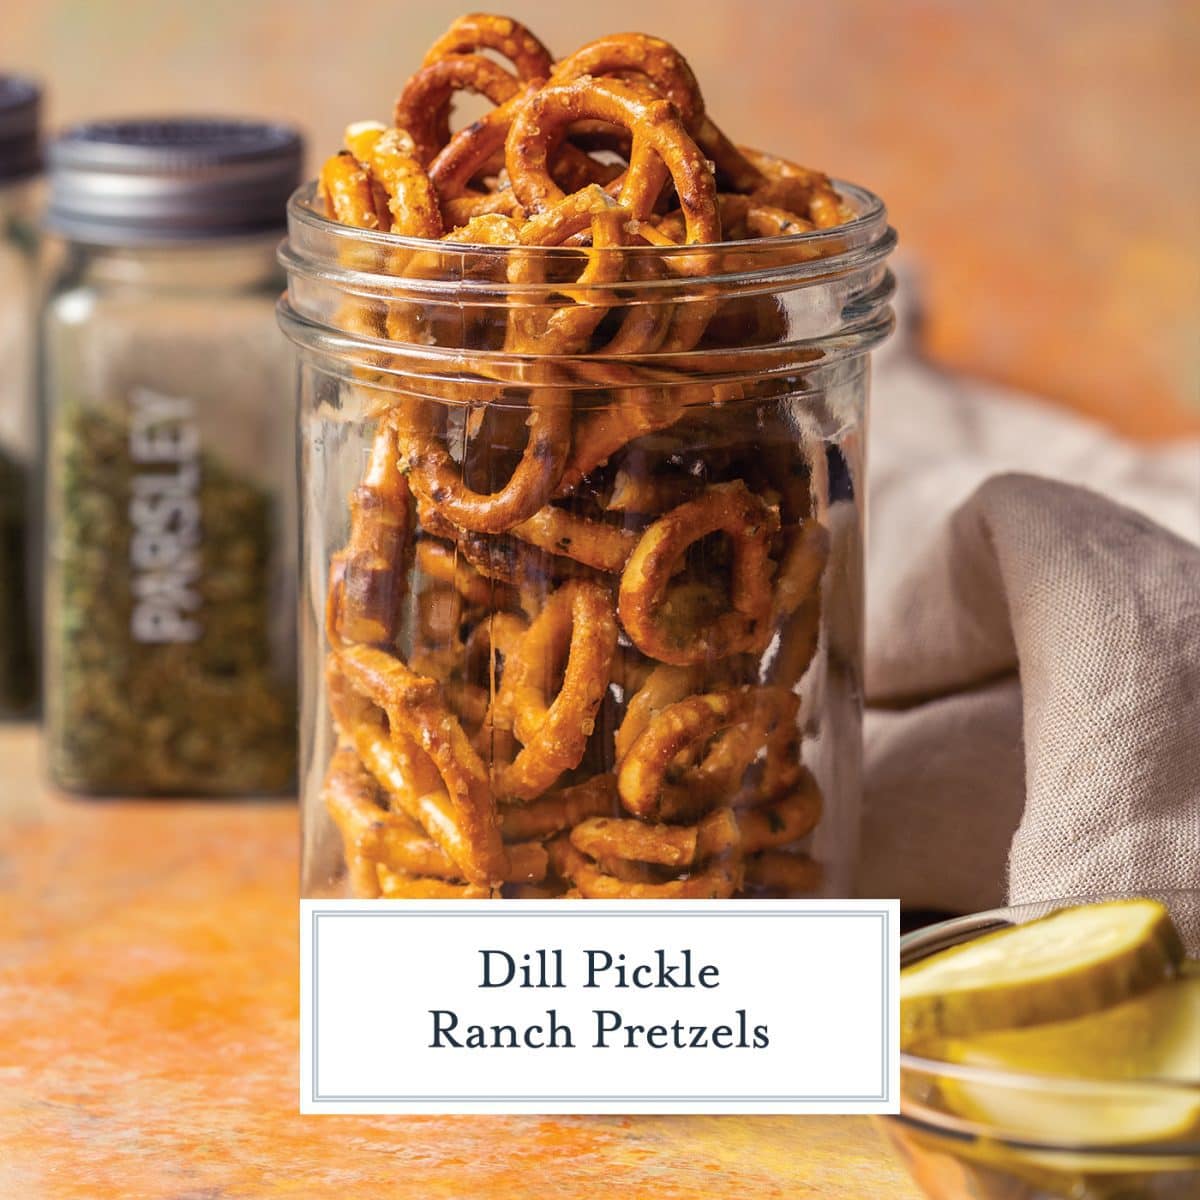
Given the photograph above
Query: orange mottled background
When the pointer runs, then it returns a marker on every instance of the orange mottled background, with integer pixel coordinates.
(1041, 160)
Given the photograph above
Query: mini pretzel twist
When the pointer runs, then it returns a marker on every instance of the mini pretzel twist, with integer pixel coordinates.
(645, 605)
(661, 147)
(415, 707)
(577, 622)
(370, 576)
(669, 72)
(423, 104)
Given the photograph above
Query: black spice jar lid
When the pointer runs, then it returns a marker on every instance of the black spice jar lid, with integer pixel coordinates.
(147, 181)
(20, 122)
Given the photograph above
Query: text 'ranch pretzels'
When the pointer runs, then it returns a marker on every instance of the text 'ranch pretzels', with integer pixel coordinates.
(567, 634)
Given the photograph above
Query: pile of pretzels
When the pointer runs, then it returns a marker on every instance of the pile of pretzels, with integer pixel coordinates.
(566, 639)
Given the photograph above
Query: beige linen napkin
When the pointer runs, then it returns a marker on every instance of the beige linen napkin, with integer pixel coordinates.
(1033, 650)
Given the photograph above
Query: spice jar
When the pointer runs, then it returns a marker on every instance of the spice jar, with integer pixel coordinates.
(19, 164)
(170, 507)
(582, 613)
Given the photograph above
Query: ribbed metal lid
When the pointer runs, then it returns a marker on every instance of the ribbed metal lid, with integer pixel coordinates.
(20, 117)
(175, 179)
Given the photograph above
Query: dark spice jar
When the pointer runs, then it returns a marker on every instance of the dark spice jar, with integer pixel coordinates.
(20, 102)
(170, 496)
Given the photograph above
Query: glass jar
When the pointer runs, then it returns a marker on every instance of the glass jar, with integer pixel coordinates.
(170, 495)
(20, 102)
(581, 611)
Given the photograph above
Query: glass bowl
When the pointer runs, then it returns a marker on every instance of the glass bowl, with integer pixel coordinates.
(1059, 1136)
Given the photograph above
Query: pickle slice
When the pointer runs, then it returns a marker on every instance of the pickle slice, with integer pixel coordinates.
(1070, 963)
(1155, 1036)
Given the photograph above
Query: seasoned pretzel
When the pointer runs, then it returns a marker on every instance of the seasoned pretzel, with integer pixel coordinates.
(692, 752)
(392, 839)
(661, 147)
(391, 158)
(663, 65)
(566, 329)
(645, 493)
(398, 764)
(683, 846)
(578, 622)
(788, 819)
(439, 561)
(556, 811)
(350, 795)
(466, 217)
(435, 475)
(424, 103)
(414, 705)
(644, 603)
(369, 576)
(396, 885)
(345, 187)
(796, 189)
(719, 879)
(469, 151)
(482, 31)
(593, 543)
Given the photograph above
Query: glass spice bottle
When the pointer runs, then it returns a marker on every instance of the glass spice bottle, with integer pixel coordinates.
(170, 495)
(20, 103)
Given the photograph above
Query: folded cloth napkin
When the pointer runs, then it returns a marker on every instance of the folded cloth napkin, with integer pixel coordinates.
(1033, 650)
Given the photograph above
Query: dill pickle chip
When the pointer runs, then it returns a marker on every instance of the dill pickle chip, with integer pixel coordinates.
(1152, 1037)
(1071, 963)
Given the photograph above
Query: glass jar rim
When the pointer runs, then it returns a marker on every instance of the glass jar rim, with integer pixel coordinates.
(869, 235)
(832, 286)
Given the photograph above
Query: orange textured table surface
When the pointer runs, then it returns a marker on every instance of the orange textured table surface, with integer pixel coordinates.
(148, 1041)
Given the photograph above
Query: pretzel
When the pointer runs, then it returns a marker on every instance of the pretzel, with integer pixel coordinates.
(659, 62)
(644, 779)
(435, 475)
(560, 810)
(436, 478)
(464, 216)
(468, 152)
(796, 189)
(345, 187)
(398, 764)
(593, 543)
(678, 757)
(369, 576)
(481, 31)
(567, 329)
(720, 878)
(350, 796)
(396, 885)
(439, 561)
(391, 157)
(679, 846)
(644, 603)
(576, 621)
(661, 147)
(414, 706)
(424, 104)
(377, 836)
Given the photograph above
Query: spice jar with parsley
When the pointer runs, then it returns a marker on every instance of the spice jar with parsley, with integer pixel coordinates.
(170, 507)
